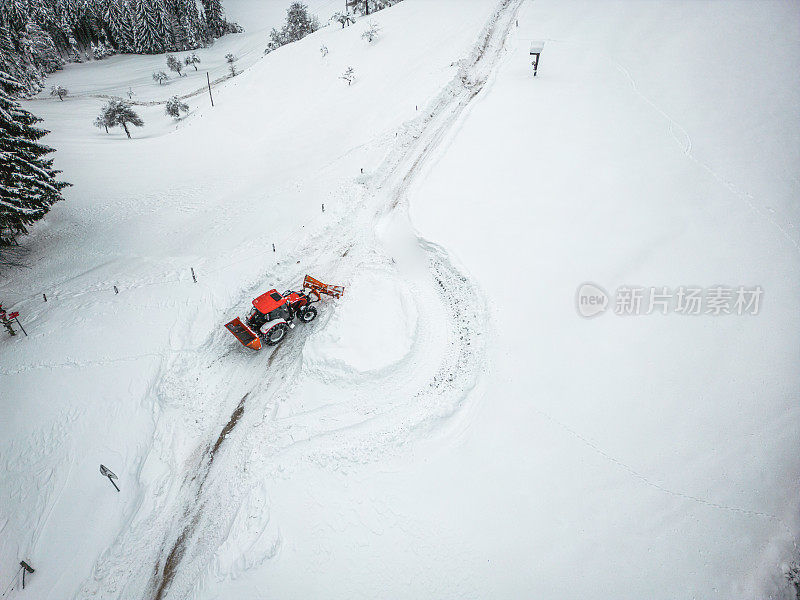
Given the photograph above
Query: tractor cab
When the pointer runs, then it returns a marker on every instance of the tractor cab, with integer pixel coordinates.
(268, 307)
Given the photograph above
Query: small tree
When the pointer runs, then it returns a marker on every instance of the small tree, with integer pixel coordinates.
(100, 121)
(323, 50)
(60, 91)
(372, 32)
(192, 59)
(175, 107)
(230, 59)
(349, 75)
(299, 23)
(100, 51)
(175, 65)
(344, 19)
(119, 113)
(160, 77)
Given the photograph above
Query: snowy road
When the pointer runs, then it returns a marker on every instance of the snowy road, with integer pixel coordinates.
(187, 521)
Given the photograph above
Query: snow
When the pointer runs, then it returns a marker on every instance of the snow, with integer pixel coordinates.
(373, 328)
(451, 427)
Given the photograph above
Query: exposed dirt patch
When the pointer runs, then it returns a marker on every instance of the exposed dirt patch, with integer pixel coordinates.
(235, 416)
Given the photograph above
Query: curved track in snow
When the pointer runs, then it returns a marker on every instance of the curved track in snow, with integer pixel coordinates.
(209, 504)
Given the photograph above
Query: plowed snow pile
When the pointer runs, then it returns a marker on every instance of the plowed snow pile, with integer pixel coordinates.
(373, 327)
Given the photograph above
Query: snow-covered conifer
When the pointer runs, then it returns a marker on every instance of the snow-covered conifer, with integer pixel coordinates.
(28, 185)
(175, 107)
(41, 49)
(74, 50)
(215, 19)
(100, 51)
(150, 27)
(299, 23)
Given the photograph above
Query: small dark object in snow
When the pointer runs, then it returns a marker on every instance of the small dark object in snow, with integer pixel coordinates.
(26, 568)
(106, 472)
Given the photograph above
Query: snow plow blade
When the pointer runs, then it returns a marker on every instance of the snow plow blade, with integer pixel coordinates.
(317, 287)
(244, 334)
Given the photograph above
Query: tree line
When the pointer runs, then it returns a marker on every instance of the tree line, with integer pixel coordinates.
(38, 36)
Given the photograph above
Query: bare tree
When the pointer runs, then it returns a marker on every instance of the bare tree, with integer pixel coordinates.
(230, 59)
(192, 60)
(160, 77)
(372, 32)
(175, 107)
(175, 65)
(60, 91)
(349, 75)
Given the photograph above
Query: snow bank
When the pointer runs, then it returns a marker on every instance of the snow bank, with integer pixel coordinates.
(372, 328)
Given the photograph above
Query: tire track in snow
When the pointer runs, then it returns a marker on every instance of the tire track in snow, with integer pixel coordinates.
(192, 518)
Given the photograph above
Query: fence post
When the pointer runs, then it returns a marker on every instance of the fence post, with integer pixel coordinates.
(20, 326)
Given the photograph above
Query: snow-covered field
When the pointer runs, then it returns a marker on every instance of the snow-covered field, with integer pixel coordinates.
(450, 428)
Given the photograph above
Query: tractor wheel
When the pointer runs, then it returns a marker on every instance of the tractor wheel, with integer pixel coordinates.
(276, 334)
(308, 314)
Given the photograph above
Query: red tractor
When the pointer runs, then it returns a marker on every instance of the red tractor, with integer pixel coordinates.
(273, 314)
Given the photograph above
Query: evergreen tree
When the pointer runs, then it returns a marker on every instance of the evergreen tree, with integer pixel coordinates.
(214, 17)
(40, 48)
(299, 23)
(118, 26)
(36, 35)
(150, 28)
(28, 186)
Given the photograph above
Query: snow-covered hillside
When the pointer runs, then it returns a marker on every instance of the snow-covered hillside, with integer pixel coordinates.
(451, 427)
